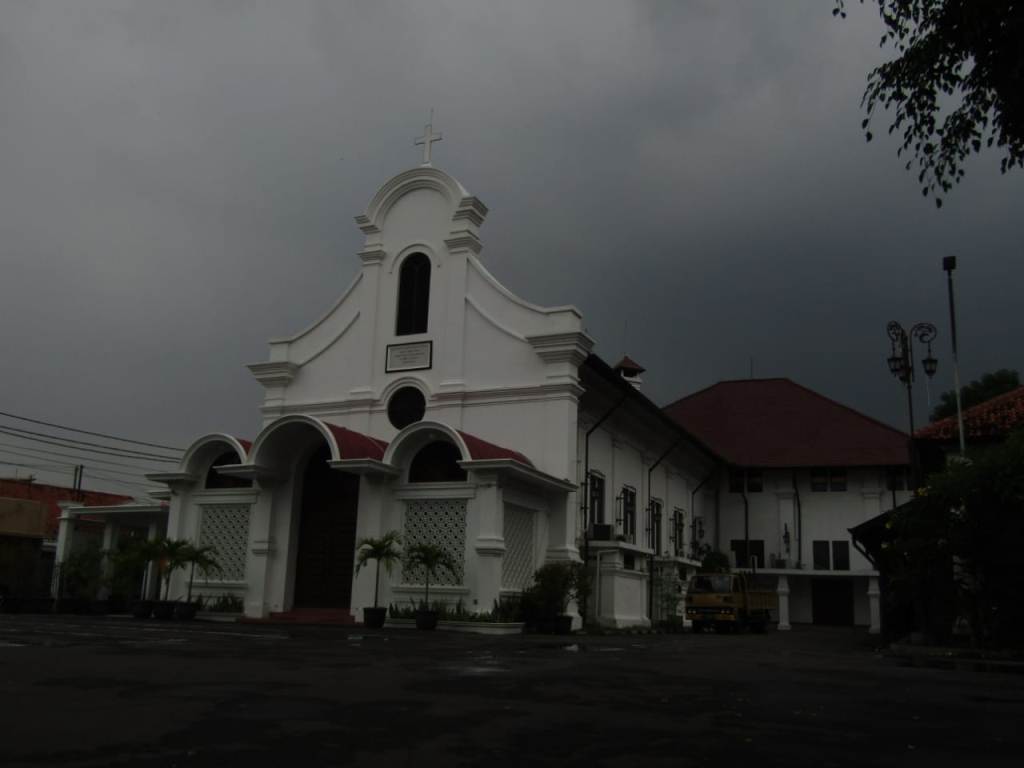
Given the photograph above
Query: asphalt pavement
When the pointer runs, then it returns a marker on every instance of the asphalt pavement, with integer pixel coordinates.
(105, 691)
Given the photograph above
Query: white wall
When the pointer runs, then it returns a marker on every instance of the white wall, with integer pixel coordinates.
(826, 515)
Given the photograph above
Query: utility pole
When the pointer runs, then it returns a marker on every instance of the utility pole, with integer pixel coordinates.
(948, 265)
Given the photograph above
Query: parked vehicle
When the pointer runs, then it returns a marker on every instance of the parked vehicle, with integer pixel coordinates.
(728, 602)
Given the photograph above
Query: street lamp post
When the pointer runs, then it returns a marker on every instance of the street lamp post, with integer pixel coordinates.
(948, 265)
(901, 365)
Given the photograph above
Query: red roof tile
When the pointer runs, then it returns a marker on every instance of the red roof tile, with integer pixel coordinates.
(778, 423)
(49, 495)
(481, 450)
(993, 419)
(356, 445)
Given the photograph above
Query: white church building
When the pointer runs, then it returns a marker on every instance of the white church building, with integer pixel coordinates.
(433, 401)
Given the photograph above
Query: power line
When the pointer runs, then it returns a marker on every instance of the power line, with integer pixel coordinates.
(140, 473)
(45, 454)
(87, 432)
(48, 467)
(114, 480)
(125, 452)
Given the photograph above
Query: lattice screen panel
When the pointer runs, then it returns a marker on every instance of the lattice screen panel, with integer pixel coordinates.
(226, 527)
(441, 522)
(517, 564)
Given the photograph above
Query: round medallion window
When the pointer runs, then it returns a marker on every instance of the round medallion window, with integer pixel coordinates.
(406, 407)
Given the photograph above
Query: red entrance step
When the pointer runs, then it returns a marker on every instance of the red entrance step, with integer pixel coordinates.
(338, 616)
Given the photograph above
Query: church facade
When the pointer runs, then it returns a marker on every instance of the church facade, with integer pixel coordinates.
(432, 401)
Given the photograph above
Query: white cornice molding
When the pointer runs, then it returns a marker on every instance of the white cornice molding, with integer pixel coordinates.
(463, 240)
(373, 254)
(249, 472)
(490, 545)
(566, 347)
(368, 400)
(471, 209)
(367, 226)
(365, 467)
(172, 478)
(518, 471)
(274, 374)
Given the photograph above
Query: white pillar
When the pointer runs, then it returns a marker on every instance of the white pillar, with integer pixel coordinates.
(151, 582)
(489, 546)
(783, 591)
(110, 530)
(874, 606)
(262, 547)
(65, 540)
(370, 523)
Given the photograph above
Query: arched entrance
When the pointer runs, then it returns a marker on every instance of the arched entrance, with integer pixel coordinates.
(328, 500)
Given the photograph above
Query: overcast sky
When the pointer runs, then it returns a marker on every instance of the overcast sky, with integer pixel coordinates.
(178, 181)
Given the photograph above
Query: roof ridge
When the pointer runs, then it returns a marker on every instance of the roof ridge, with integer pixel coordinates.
(851, 409)
(725, 381)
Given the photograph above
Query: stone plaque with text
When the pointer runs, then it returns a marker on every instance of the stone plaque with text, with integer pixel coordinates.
(409, 357)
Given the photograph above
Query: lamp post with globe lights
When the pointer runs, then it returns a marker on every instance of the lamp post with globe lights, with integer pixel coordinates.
(901, 365)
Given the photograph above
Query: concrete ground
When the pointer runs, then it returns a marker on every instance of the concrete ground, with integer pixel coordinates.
(79, 691)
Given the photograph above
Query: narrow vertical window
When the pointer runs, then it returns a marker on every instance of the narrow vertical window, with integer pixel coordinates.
(628, 510)
(821, 556)
(413, 295)
(654, 535)
(678, 527)
(596, 499)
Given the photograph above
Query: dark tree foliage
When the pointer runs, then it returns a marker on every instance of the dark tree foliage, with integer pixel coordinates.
(961, 538)
(978, 391)
(957, 84)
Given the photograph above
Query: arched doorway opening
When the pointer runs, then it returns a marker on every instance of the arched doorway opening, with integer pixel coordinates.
(327, 505)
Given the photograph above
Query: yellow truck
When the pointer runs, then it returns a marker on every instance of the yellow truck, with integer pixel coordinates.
(729, 602)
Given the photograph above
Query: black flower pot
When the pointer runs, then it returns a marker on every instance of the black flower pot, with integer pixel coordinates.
(98, 608)
(185, 611)
(426, 620)
(562, 625)
(142, 609)
(163, 609)
(374, 618)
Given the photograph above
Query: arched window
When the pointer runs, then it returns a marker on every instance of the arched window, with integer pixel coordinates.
(437, 462)
(413, 295)
(215, 479)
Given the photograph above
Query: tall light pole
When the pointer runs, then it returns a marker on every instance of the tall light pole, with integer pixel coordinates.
(948, 265)
(901, 365)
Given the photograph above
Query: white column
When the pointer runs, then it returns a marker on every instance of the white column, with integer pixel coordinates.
(370, 524)
(783, 592)
(151, 584)
(262, 547)
(65, 540)
(486, 508)
(110, 530)
(874, 606)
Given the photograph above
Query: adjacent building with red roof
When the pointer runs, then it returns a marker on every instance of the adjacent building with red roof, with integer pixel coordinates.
(987, 422)
(798, 469)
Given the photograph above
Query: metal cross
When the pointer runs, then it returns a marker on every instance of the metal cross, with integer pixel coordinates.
(428, 138)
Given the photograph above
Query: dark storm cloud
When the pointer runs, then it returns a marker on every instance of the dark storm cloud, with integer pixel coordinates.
(177, 183)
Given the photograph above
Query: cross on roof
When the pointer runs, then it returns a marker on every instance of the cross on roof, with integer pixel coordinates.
(428, 138)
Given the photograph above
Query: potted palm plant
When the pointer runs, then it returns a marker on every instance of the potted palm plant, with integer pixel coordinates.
(430, 557)
(171, 556)
(383, 550)
(203, 558)
(555, 585)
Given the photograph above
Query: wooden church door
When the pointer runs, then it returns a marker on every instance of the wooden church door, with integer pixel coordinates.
(327, 535)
